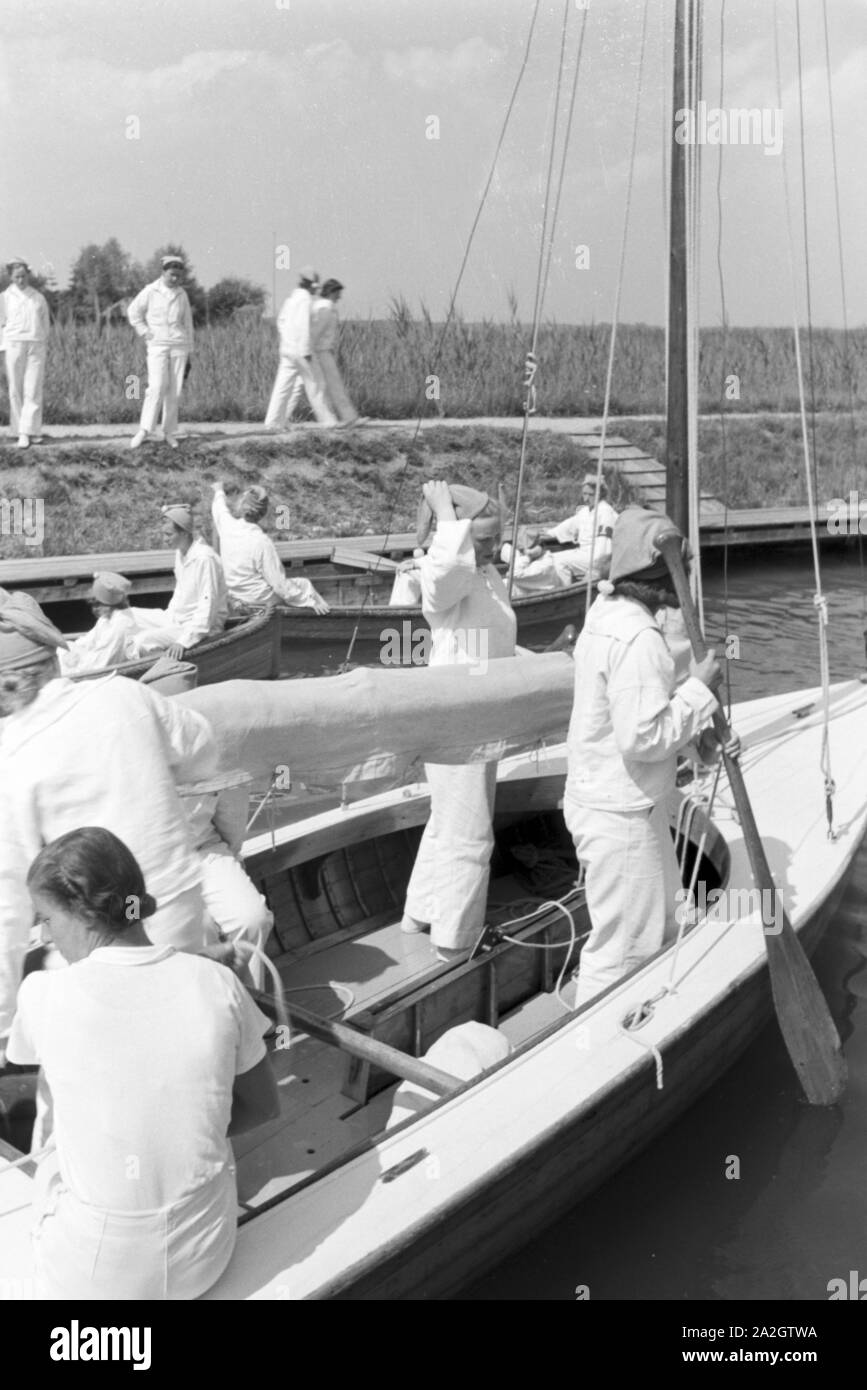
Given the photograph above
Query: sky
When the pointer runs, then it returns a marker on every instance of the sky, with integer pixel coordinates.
(241, 128)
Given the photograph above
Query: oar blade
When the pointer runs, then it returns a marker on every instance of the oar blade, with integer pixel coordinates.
(808, 1030)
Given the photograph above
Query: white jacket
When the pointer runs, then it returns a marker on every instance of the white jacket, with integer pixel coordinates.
(23, 315)
(104, 752)
(325, 325)
(578, 529)
(628, 722)
(164, 314)
(293, 323)
(107, 644)
(461, 602)
(199, 605)
(252, 568)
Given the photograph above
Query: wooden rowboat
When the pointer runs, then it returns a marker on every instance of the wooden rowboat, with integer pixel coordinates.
(335, 1205)
(248, 648)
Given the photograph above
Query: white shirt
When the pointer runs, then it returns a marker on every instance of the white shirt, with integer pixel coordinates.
(578, 529)
(107, 644)
(252, 568)
(23, 315)
(163, 313)
(199, 606)
(102, 752)
(461, 602)
(628, 722)
(141, 1046)
(293, 323)
(324, 324)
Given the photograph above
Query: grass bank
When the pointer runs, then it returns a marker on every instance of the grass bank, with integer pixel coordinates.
(104, 498)
(475, 369)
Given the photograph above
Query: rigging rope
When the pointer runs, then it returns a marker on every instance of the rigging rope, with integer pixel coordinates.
(434, 362)
(818, 598)
(531, 362)
(723, 363)
(847, 354)
(609, 373)
(693, 236)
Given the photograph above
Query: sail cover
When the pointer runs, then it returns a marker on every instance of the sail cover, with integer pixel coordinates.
(373, 725)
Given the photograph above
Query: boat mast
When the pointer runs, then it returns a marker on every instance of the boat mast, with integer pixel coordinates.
(677, 402)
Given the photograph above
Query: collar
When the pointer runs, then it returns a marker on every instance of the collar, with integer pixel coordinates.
(130, 955)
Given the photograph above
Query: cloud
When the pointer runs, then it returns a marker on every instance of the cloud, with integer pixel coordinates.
(431, 68)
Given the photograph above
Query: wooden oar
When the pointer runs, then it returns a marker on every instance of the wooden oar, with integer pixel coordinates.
(802, 1010)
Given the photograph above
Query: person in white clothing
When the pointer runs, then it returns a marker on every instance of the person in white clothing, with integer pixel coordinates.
(252, 568)
(109, 641)
(161, 315)
(325, 326)
(298, 370)
(153, 1059)
(107, 751)
(24, 336)
(588, 534)
(629, 721)
(199, 606)
(466, 604)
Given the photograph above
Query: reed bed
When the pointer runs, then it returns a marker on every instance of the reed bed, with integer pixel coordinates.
(404, 366)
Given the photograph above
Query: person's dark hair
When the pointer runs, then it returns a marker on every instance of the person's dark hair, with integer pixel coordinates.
(92, 873)
(330, 287)
(652, 595)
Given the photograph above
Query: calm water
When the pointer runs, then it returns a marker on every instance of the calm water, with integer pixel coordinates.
(670, 1225)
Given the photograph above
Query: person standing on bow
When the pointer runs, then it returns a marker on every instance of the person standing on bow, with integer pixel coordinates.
(199, 606)
(466, 604)
(298, 371)
(24, 335)
(253, 570)
(326, 326)
(629, 721)
(161, 314)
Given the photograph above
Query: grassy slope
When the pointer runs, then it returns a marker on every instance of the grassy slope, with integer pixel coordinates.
(104, 499)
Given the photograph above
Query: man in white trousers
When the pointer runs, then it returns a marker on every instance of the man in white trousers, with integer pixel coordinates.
(298, 370)
(326, 326)
(24, 335)
(629, 721)
(161, 314)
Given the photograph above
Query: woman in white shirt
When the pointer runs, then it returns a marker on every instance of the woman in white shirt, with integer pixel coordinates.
(471, 620)
(153, 1057)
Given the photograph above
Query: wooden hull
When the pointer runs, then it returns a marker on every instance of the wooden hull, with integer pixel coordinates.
(247, 650)
(377, 621)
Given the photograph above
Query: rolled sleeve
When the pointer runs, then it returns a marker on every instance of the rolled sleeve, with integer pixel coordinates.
(448, 570)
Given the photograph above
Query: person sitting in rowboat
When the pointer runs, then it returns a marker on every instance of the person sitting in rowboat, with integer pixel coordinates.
(199, 606)
(108, 642)
(153, 1058)
(538, 570)
(106, 750)
(628, 724)
(253, 569)
(467, 606)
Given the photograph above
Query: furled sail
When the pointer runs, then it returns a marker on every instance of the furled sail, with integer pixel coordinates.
(374, 725)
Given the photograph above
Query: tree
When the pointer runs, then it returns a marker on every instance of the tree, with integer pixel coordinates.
(153, 269)
(231, 294)
(101, 276)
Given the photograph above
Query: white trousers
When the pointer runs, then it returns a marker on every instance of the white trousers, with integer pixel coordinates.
(234, 902)
(449, 883)
(335, 391)
(631, 878)
(294, 375)
(176, 1252)
(166, 367)
(154, 631)
(25, 373)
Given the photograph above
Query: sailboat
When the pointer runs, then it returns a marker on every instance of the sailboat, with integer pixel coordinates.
(388, 1177)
